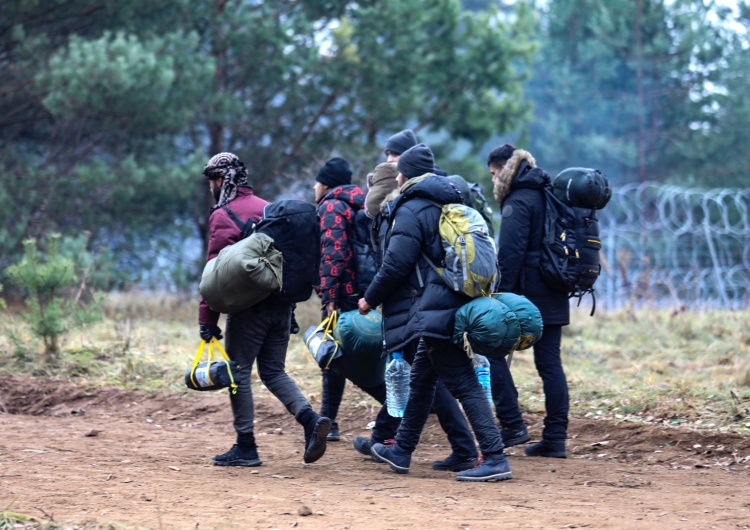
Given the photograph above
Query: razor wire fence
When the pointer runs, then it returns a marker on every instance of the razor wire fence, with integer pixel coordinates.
(674, 246)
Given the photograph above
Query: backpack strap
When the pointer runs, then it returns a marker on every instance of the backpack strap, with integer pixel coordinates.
(246, 227)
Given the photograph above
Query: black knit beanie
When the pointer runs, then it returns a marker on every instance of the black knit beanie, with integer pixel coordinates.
(401, 141)
(416, 161)
(335, 172)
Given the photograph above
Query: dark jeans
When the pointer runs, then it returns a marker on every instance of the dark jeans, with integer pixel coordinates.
(548, 361)
(443, 359)
(333, 382)
(261, 334)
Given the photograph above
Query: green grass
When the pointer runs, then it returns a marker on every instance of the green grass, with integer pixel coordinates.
(650, 365)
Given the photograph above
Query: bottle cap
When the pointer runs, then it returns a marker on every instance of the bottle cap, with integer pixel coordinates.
(397, 355)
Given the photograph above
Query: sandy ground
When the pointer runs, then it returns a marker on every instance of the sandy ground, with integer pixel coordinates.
(85, 458)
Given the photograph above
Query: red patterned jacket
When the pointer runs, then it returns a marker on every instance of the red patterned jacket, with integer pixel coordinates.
(336, 211)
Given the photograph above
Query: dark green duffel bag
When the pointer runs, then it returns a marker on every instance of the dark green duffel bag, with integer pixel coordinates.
(361, 339)
(529, 319)
(490, 327)
(242, 274)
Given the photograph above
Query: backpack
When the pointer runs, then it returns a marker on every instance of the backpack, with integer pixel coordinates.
(294, 226)
(469, 266)
(365, 256)
(569, 260)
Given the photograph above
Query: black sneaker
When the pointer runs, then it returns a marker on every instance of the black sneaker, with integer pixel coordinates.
(513, 437)
(334, 435)
(238, 456)
(492, 469)
(547, 448)
(364, 445)
(315, 439)
(455, 462)
(393, 455)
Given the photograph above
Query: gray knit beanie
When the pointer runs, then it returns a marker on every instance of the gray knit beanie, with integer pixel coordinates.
(416, 161)
(401, 141)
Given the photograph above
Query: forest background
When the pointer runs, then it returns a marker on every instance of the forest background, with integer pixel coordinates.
(109, 110)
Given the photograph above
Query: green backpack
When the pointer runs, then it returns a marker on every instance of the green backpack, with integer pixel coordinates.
(469, 266)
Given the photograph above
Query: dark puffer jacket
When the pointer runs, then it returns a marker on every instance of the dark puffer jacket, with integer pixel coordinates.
(337, 268)
(520, 243)
(409, 310)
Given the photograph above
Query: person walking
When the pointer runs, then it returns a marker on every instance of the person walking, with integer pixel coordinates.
(257, 334)
(519, 190)
(417, 304)
(338, 201)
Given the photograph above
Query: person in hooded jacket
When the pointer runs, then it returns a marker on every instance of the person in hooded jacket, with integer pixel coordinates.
(382, 187)
(417, 304)
(258, 334)
(519, 189)
(338, 200)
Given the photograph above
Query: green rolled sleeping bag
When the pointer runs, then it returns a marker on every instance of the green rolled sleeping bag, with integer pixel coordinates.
(361, 339)
(529, 319)
(242, 275)
(491, 326)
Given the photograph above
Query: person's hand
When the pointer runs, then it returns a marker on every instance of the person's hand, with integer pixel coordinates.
(331, 307)
(364, 307)
(208, 331)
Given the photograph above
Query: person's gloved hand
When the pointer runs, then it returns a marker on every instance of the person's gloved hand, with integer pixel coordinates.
(207, 331)
(294, 329)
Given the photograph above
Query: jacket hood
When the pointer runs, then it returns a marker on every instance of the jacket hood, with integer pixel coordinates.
(349, 193)
(431, 187)
(508, 174)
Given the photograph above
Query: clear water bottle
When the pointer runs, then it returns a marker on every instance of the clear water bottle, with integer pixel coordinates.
(482, 368)
(397, 385)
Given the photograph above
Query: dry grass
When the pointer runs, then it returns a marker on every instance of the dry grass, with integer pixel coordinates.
(647, 365)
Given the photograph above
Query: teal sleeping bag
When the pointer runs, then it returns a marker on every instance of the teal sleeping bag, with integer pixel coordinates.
(529, 318)
(491, 327)
(361, 339)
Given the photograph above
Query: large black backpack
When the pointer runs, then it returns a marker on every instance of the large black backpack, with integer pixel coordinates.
(365, 256)
(569, 260)
(294, 226)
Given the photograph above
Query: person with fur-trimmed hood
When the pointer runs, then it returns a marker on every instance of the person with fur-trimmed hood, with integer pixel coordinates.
(338, 201)
(417, 304)
(519, 190)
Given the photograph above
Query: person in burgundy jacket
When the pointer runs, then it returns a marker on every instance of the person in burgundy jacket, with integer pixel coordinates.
(259, 333)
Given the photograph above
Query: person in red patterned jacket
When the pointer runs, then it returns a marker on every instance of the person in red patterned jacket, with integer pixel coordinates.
(258, 334)
(337, 199)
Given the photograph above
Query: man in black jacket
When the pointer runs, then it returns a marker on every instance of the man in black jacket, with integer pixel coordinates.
(417, 303)
(519, 189)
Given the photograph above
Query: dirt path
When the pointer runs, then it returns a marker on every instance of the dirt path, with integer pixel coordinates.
(142, 460)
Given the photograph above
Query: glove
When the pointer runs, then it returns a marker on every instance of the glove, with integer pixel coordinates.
(207, 331)
(294, 329)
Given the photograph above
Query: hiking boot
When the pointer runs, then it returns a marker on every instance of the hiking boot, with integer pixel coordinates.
(363, 445)
(238, 456)
(513, 437)
(455, 462)
(392, 455)
(492, 469)
(316, 433)
(547, 448)
(334, 435)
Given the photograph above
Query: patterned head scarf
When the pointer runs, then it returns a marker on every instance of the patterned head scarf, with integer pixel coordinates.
(232, 170)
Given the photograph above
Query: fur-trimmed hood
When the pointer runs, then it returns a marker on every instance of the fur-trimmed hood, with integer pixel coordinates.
(503, 182)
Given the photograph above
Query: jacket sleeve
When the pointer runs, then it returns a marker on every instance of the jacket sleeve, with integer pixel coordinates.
(336, 219)
(513, 242)
(223, 232)
(400, 259)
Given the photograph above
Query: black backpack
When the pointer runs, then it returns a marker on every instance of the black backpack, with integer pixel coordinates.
(294, 226)
(569, 260)
(365, 256)
(480, 204)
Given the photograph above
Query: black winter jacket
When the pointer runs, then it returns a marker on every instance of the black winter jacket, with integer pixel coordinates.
(520, 243)
(414, 309)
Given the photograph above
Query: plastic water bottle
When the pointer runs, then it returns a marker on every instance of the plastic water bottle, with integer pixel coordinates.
(482, 368)
(397, 385)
